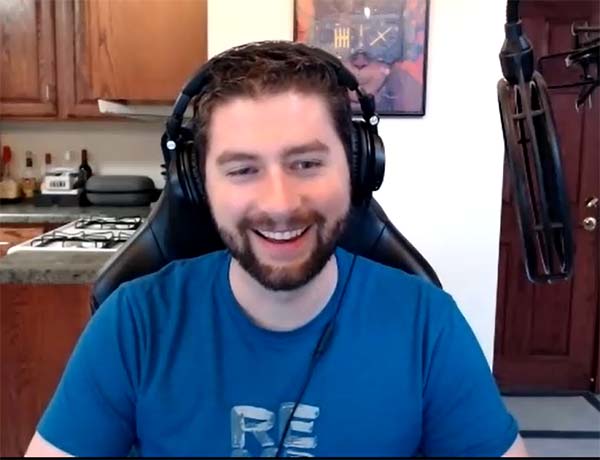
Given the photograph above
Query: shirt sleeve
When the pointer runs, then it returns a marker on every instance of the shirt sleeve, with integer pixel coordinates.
(92, 412)
(464, 414)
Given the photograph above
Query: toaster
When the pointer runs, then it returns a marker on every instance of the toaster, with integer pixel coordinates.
(60, 180)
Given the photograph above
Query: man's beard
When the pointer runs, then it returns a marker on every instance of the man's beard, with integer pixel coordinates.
(284, 278)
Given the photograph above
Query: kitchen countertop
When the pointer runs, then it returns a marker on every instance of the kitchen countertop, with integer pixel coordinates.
(61, 267)
(27, 213)
(49, 267)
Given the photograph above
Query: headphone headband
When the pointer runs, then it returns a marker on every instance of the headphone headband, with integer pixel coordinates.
(366, 155)
(195, 85)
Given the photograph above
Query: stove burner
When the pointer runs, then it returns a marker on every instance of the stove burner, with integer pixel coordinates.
(109, 223)
(98, 240)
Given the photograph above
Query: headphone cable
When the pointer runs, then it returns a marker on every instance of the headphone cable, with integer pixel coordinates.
(320, 348)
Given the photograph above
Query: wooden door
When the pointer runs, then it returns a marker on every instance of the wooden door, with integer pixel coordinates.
(73, 61)
(27, 58)
(546, 335)
(145, 50)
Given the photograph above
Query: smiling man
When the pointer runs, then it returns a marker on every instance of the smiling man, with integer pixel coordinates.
(229, 355)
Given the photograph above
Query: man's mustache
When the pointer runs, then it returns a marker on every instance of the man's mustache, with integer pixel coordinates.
(265, 222)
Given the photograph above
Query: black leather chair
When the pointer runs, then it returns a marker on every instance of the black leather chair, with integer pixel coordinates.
(176, 229)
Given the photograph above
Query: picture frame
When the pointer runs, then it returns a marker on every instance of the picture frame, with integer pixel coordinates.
(382, 42)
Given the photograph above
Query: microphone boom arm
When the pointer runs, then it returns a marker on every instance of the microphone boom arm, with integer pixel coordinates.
(532, 152)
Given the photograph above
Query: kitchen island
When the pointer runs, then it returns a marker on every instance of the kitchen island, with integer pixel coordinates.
(44, 307)
(30, 267)
(39, 327)
(19, 222)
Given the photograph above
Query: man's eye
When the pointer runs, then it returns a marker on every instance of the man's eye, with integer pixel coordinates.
(246, 171)
(306, 164)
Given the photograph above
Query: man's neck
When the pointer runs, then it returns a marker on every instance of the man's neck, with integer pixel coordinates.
(283, 310)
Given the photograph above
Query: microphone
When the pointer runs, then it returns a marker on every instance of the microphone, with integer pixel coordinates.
(532, 152)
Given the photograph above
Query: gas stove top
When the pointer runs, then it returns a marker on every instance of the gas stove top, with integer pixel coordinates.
(81, 240)
(91, 234)
(109, 223)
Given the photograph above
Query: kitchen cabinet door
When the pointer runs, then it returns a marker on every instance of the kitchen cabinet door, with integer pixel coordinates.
(144, 50)
(39, 327)
(11, 235)
(27, 58)
(76, 98)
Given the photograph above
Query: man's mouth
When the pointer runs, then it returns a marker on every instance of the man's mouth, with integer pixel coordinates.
(282, 236)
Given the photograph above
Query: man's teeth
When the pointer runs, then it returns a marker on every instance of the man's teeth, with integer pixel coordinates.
(282, 236)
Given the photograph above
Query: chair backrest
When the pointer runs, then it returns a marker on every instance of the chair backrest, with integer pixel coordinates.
(176, 229)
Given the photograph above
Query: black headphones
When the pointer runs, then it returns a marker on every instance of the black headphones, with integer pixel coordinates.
(367, 158)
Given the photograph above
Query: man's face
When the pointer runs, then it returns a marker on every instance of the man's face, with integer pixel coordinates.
(278, 185)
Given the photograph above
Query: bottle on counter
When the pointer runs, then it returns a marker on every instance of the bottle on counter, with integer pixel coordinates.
(28, 179)
(68, 160)
(47, 166)
(9, 188)
(5, 162)
(85, 170)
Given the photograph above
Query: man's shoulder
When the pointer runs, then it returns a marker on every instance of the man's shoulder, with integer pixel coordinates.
(181, 271)
(173, 284)
(397, 290)
(396, 279)
(183, 268)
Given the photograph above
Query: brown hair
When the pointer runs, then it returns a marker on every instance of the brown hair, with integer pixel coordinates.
(270, 68)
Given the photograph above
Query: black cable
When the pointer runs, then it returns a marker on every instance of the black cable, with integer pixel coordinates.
(320, 348)
(512, 11)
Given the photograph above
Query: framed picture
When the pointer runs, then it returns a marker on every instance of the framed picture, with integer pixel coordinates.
(383, 42)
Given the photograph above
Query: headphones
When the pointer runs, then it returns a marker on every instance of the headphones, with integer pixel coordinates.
(367, 156)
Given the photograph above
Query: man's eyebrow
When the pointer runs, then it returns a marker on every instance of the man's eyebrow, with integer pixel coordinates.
(238, 155)
(232, 155)
(308, 147)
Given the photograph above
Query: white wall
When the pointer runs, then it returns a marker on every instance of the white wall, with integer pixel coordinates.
(443, 181)
(247, 21)
(444, 171)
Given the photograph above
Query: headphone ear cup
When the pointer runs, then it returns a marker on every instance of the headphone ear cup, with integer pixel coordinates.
(359, 163)
(189, 173)
(367, 162)
(378, 161)
(195, 172)
(354, 164)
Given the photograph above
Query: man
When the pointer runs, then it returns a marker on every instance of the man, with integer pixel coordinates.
(214, 356)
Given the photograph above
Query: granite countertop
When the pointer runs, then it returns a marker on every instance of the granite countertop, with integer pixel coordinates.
(27, 213)
(49, 267)
(45, 267)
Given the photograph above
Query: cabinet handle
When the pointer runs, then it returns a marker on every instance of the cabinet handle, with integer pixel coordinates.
(49, 91)
(4, 243)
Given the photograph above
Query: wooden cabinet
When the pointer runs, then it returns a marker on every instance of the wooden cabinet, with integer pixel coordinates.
(59, 56)
(74, 70)
(39, 327)
(27, 58)
(15, 234)
(144, 50)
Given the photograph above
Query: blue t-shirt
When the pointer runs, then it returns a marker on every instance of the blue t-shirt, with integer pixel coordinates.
(171, 366)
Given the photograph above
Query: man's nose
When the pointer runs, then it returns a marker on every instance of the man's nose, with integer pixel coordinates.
(279, 194)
